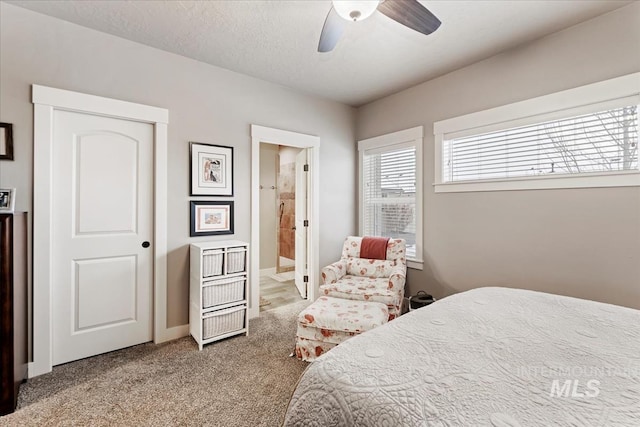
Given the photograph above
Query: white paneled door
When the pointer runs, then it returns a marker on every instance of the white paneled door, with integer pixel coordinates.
(301, 229)
(102, 234)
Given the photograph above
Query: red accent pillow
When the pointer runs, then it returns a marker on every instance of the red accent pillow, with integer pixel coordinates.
(374, 247)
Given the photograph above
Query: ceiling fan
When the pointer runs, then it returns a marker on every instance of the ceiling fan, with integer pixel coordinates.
(409, 13)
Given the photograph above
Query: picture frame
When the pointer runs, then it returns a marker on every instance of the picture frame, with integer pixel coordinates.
(6, 141)
(7, 200)
(211, 170)
(211, 218)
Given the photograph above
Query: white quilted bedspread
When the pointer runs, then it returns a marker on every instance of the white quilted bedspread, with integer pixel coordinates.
(489, 357)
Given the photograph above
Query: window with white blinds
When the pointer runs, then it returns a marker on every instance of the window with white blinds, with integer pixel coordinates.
(390, 190)
(605, 141)
(389, 194)
(583, 137)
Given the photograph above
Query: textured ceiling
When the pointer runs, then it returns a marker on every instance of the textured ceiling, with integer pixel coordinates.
(277, 40)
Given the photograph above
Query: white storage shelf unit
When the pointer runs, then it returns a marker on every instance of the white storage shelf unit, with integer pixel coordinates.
(218, 290)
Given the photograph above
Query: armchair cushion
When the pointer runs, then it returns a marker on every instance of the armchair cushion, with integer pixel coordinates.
(362, 288)
(366, 289)
(373, 268)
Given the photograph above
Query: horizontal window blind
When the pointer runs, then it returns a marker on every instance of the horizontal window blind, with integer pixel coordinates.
(389, 194)
(605, 141)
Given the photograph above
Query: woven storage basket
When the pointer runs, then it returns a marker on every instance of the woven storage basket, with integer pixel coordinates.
(212, 263)
(223, 321)
(222, 291)
(235, 260)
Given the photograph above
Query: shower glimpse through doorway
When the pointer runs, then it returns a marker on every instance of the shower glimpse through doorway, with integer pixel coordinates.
(286, 209)
(283, 266)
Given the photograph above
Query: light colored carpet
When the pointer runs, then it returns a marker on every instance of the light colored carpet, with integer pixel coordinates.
(240, 381)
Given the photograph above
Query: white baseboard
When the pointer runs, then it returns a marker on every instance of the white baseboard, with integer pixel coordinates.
(34, 370)
(268, 271)
(173, 333)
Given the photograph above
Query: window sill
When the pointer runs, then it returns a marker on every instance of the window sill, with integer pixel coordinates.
(415, 264)
(616, 179)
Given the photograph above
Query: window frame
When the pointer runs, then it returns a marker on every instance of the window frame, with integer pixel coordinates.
(413, 137)
(572, 102)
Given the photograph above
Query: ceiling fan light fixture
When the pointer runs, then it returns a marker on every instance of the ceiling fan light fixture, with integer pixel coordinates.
(355, 10)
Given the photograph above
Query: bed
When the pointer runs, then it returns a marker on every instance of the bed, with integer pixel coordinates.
(489, 356)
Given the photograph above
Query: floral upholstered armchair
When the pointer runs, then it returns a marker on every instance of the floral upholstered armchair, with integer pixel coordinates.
(371, 269)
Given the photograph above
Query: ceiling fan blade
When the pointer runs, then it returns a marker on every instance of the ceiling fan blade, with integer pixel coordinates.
(331, 32)
(410, 13)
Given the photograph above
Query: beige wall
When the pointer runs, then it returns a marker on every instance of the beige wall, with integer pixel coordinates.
(583, 242)
(205, 103)
(268, 177)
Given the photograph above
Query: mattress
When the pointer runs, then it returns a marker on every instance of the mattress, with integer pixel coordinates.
(490, 357)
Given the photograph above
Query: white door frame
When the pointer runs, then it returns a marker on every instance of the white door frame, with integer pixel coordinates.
(46, 100)
(261, 134)
(301, 235)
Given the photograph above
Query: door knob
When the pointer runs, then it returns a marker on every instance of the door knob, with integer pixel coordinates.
(293, 228)
(146, 244)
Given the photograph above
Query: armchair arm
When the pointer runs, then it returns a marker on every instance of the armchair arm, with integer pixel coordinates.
(334, 272)
(398, 277)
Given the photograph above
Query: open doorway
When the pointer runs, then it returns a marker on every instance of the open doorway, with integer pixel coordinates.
(284, 232)
(278, 209)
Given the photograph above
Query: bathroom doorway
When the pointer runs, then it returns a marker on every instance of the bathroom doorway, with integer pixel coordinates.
(265, 206)
(281, 273)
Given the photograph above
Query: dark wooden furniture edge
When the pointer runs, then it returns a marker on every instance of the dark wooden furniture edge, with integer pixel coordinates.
(13, 309)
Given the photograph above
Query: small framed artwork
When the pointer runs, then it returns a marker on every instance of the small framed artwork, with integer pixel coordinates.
(7, 199)
(211, 218)
(6, 141)
(211, 170)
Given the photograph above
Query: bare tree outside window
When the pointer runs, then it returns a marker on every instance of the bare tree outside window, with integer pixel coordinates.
(606, 141)
(600, 142)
